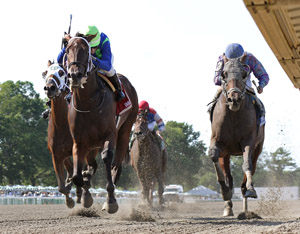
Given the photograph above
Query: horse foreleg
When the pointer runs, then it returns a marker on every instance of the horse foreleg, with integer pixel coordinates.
(160, 188)
(247, 168)
(111, 204)
(87, 199)
(69, 167)
(214, 153)
(78, 163)
(59, 172)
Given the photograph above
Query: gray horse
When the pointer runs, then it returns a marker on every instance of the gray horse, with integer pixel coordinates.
(148, 160)
(235, 131)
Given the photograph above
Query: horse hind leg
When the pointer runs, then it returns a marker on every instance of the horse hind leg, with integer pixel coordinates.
(69, 167)
(111, 205)
(59, 172)
(121, 150)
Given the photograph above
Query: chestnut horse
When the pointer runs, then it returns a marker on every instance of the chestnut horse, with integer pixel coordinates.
(147, 160)
(235, 131)
(59, 137)
(92, 118)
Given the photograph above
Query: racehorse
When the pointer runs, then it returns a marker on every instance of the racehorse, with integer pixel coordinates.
(59, 137)
(147, 160)
(92, 118)
(235, 131)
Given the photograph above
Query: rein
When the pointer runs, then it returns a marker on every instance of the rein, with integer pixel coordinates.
(88, 111)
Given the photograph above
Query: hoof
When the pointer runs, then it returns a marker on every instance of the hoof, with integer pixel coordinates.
(87, 200)
(111, 208)
(70, 203)
(227, 212)
(78, 200)
(251, 193)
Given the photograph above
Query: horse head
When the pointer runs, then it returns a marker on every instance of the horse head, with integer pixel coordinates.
(56, 80)
(234, 77)
(79, 60)
(141, 126)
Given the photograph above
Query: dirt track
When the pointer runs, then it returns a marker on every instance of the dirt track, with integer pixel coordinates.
(201, 217)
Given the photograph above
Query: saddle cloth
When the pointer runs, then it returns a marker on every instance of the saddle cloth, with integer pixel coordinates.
(125, 104)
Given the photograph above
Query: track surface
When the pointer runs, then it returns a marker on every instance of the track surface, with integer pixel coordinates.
(200, 217)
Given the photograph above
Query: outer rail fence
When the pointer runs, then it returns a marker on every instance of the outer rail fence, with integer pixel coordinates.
(54, 200)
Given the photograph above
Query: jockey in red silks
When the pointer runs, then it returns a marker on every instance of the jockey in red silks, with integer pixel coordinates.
(152, 117)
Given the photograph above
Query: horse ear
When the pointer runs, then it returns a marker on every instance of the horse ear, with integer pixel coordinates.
(90, 37)
(243, 57)
(49, 63)
(44, 74)
(225, 59)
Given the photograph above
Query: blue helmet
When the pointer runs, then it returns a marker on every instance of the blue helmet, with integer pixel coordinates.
(234, 50)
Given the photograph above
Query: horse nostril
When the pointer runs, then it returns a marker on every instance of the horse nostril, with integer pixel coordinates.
(79, 74)
(52, 88)
(229, 100)
(45, 88)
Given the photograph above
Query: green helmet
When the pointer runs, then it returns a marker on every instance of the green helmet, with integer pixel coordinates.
(92, 30)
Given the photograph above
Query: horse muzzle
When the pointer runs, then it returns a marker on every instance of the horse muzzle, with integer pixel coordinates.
(234, 100)
(51, 91)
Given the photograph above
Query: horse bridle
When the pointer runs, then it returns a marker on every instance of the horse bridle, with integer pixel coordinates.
(235, 89)
(62, 86)
(87, 66)
(144, 131)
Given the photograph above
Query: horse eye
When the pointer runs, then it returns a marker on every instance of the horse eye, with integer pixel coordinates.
(244, 75)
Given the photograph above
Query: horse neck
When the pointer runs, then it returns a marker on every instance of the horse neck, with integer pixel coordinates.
(59, 111)
(84, 95)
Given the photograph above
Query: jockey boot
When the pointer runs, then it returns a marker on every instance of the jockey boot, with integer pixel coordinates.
(214, 101)
(46, 113)
(119, 93)
(262, 111)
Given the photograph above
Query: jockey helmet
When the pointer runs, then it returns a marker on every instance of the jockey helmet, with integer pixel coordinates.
(234, 50)
(92, 30)
(143, 105)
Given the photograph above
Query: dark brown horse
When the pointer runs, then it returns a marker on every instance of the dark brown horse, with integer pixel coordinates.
(92, 119)
(148, 160)
(59, 137)
(235, 131)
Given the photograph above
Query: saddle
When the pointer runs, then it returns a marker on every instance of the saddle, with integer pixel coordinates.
(125, 104)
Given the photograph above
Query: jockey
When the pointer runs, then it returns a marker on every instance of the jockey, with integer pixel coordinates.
(102, 56)
(152, 117)
(102, 60)
(233, 51)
